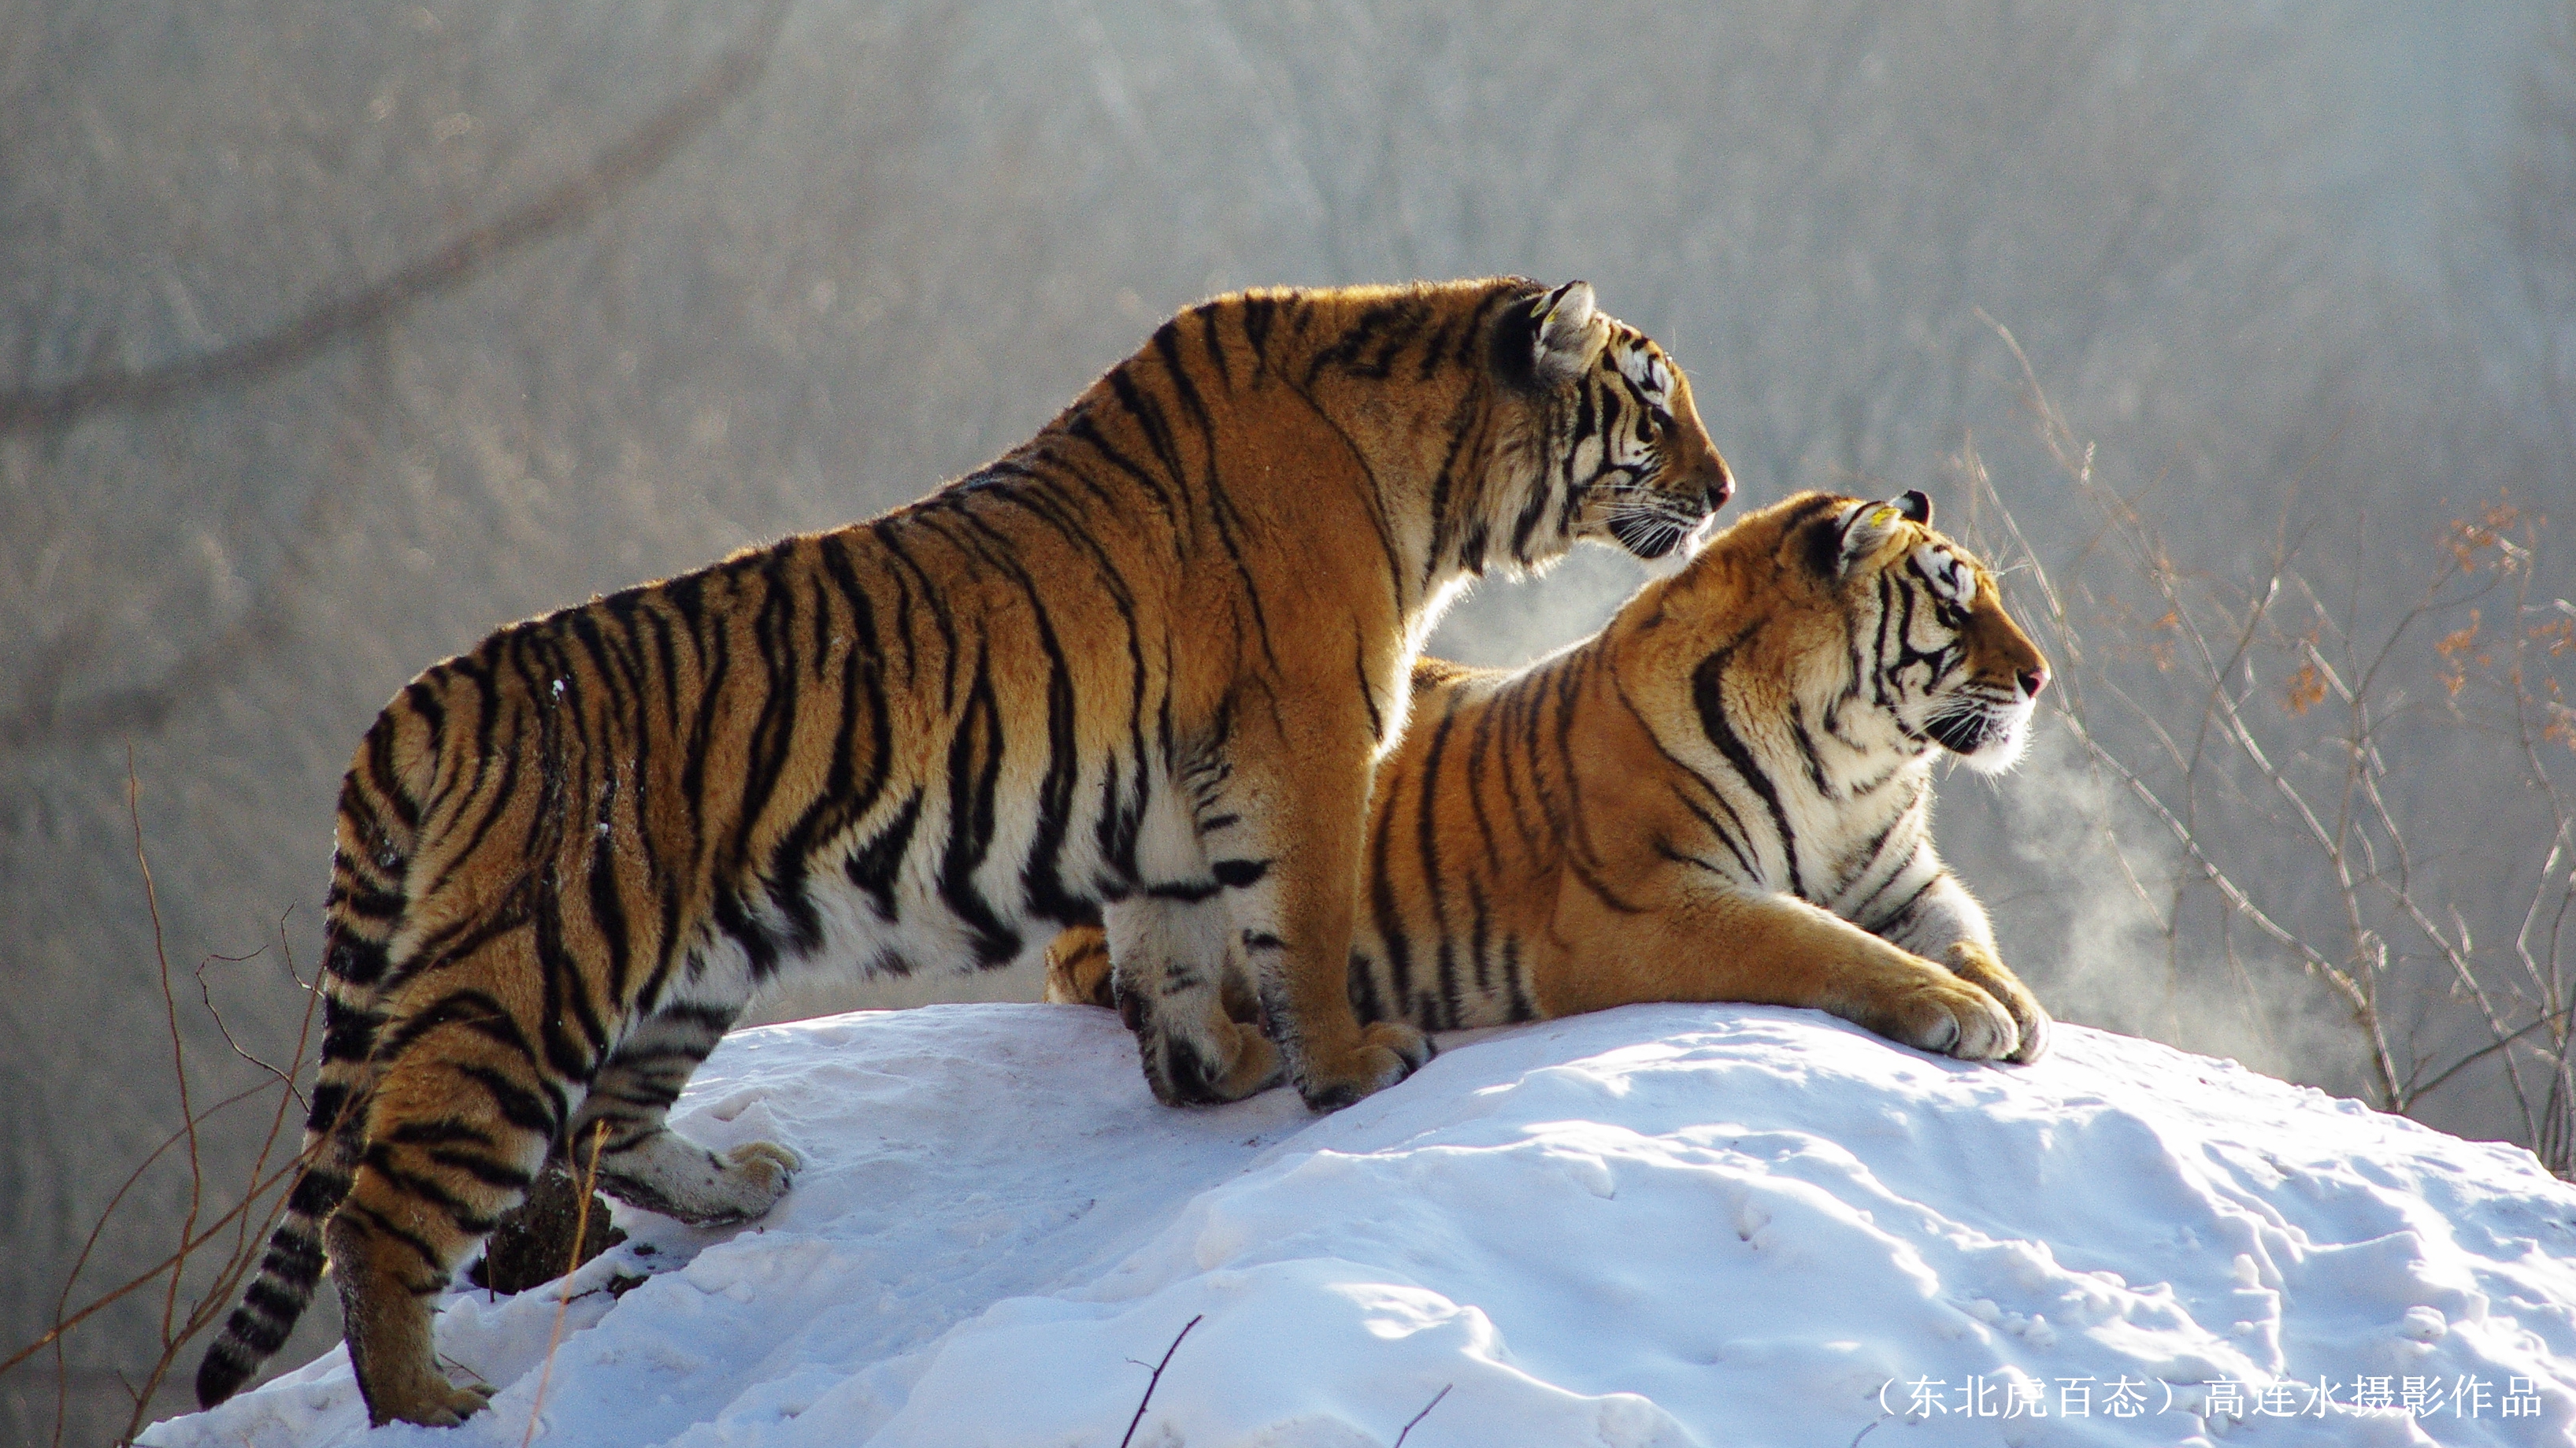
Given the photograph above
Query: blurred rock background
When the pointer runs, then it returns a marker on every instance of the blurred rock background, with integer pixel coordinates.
(2300, 274)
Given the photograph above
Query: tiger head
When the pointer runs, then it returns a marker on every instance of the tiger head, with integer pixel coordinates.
(1605, 419)
(1870, 629)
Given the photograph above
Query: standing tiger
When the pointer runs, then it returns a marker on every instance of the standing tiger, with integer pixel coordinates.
(1138, 667)
(1725, 795)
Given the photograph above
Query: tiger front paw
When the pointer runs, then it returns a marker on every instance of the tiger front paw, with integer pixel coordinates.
(1387, 1052)
(1223, 1061)
(1979, 967)
(1950, 1018)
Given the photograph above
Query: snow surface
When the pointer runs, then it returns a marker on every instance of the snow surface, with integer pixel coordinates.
(1708, 1225)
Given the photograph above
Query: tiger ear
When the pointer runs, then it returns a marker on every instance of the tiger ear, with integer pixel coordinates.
(1567, 334)
(1864, 528)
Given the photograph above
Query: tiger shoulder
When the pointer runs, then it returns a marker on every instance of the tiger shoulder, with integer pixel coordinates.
(1725, 795)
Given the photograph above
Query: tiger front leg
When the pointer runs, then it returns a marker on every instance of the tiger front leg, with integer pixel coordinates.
(1290, 847)
(1170, 962)
(1725, 944)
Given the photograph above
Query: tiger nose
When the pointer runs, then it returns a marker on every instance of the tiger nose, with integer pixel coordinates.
(1721, 484)
(2034, 679)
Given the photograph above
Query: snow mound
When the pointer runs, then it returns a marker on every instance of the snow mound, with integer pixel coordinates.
(1709, 1225)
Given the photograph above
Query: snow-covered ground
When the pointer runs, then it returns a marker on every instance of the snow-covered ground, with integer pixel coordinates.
(1716, 1225)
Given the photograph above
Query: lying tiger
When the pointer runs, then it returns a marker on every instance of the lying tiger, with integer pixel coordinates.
(1725, 795)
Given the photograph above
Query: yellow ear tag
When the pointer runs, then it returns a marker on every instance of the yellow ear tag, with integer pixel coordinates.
(1882, 517)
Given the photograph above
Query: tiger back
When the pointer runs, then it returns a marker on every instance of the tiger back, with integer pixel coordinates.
(1134, 671)
(1723, 796)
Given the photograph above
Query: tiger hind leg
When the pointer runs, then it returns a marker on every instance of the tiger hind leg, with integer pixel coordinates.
(461, 1117)
(1171, 966)
(642, 1161)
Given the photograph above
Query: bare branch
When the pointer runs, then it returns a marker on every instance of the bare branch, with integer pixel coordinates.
(1154, 1381)
(563, 1299)
(1425, 1413)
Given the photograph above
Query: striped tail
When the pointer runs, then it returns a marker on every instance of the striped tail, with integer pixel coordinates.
(293, 1267)
(366, 903)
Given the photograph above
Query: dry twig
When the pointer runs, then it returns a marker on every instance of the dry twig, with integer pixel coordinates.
(1156, 1380)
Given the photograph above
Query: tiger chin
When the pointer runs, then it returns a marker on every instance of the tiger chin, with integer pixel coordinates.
(1725, 795)
(1134, 672)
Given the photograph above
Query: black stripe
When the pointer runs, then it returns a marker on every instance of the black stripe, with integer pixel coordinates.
(1434, 882)
(907, 573)
(348, 1033)
(365, 902)
(1258, 313)
(1206, 312)
(316, 1193)
(872, 866)
(485, 1170)
(1148, 415)
(1387, 325)
(842, 800)
(1709, 696)
(1368, 693)
(607, 908)
(974, 774)
(771, 749)
(471, 1009)
(1534, 508)
(1814, 762)
(1479, 911)
(1461, 419)
(1521, 1007)
(1167, 345)
(518, 1105)
(294, 1247)
(1902, 911)
(715, 664)
(1083, 429)
(713, 1020)
(568, 1003)
(1363, 989)
(377, 1223)
(436, 1133)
